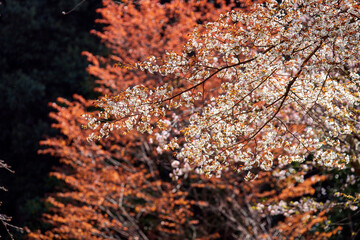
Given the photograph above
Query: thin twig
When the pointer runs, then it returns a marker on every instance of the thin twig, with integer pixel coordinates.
(76, 6)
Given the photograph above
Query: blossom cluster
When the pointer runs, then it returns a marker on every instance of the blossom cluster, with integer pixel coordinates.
(256, 89)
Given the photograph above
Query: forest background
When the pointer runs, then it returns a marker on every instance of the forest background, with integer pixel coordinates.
(41, 60)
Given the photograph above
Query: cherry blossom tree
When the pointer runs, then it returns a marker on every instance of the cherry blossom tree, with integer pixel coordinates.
(258, 89)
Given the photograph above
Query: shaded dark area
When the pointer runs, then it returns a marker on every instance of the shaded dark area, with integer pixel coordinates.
(40, 60)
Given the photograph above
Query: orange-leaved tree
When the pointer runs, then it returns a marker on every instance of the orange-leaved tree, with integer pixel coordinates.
(257, 90)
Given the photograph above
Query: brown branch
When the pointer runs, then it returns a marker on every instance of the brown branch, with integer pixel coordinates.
(214, 73)
(283, 97)
(292, 134)
(288, 87)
